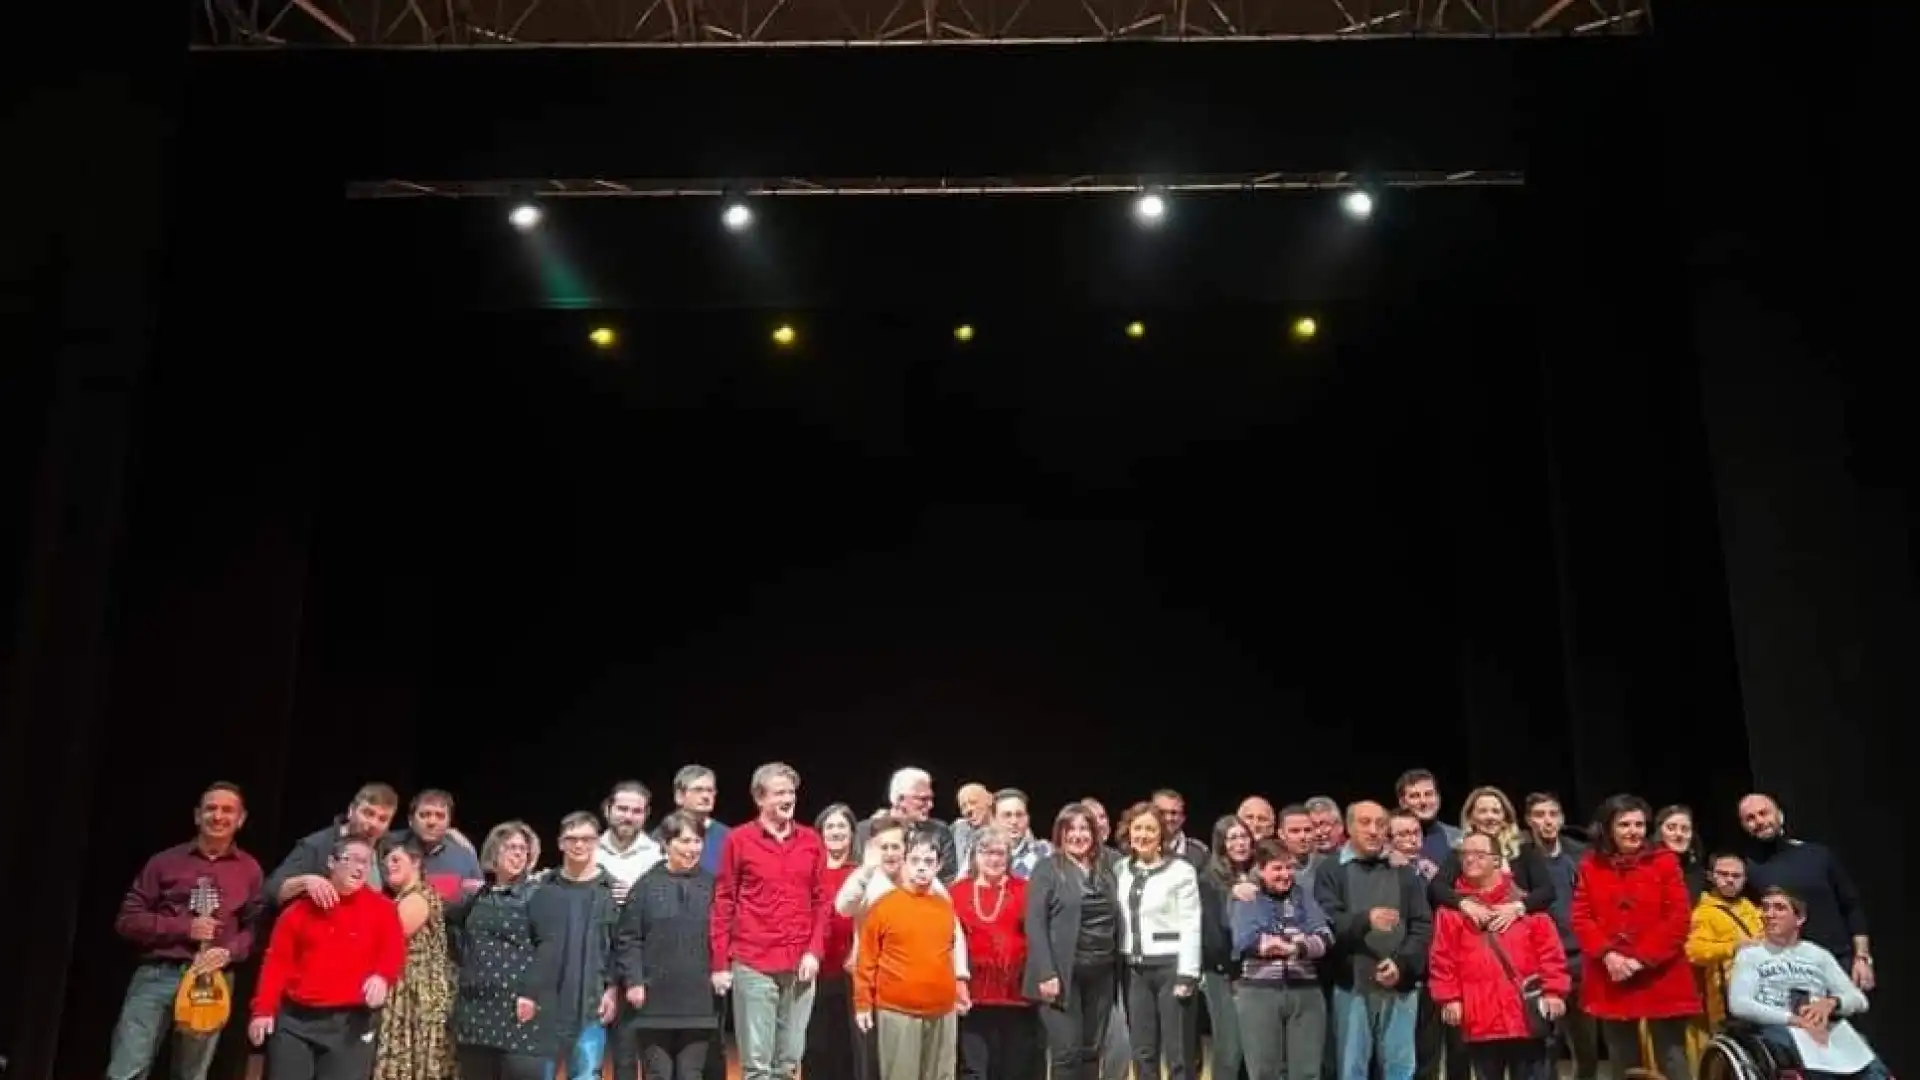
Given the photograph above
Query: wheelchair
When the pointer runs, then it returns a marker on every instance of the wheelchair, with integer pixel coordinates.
(1738, 1052)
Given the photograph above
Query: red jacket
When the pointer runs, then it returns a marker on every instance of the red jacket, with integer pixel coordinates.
(1463, 967)
(321, 959)
(1636, 906)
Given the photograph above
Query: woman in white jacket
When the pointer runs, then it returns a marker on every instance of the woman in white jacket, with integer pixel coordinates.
(1159, 895)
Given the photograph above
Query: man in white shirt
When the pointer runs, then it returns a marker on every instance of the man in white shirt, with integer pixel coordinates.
(626, 851)
(1798, 994)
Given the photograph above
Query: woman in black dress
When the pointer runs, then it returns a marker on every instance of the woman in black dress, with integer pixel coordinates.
(661, 963)
(498, 1032)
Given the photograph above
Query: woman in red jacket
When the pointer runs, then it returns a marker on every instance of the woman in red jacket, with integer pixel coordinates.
(1630, 914)
(1503, 989)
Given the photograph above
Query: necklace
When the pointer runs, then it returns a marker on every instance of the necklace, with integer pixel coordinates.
(999, 902)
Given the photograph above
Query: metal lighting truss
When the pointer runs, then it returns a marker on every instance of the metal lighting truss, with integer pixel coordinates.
(229, 24)
(926, 187)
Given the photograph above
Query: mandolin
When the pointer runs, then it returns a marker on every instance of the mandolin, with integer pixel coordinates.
(204, 1001)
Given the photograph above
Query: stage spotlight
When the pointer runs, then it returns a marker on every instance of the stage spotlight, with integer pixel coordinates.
(525, 217)
(736, 217)
(1358, 204)
(784, 336)
(1150, 208)
(963, 333)
(604, 337)
(1136, 330)
(1304, 329)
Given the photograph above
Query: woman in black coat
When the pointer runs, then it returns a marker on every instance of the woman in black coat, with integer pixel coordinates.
(1073, 951)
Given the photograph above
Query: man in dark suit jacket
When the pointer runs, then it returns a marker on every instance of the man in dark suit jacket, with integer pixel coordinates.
(910, 799)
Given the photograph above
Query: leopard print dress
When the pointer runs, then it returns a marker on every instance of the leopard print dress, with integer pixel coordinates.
(416, 1027)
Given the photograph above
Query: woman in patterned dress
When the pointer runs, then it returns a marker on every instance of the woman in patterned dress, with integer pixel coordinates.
(497, 1027)
(416, 1026)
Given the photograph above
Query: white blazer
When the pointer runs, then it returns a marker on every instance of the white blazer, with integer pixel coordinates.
(1160, 913)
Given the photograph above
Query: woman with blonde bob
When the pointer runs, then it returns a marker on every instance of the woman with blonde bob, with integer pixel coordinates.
(1488, 812)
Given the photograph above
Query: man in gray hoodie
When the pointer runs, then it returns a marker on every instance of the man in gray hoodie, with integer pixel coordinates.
(1382, 925)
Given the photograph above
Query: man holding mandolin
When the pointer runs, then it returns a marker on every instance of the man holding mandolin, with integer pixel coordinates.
(191, 912)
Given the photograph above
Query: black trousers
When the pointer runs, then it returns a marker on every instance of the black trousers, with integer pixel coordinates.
(321, 1044)
(484, 1063)
(1434, 1043)
(675, 1053)
(1077, 1027)
(1160, 1025)
(833, 1044)
(1508, 1059)
(1001, 1042)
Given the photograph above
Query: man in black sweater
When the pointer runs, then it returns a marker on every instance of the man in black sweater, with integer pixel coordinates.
(1836, 920)
(573, 914)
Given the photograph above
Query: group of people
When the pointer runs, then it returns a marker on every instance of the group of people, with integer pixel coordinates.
(1321, 944)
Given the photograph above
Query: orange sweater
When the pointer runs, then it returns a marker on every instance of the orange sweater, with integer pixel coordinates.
(905, 960)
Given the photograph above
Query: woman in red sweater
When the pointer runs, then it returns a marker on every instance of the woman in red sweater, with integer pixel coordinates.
(335, 954)
(1630, 914)
(1000, 1036)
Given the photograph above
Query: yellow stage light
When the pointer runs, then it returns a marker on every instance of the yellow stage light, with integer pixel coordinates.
(603, 336)
(963, 333)
(1136, 330)
(1304, 329)
(784, 336)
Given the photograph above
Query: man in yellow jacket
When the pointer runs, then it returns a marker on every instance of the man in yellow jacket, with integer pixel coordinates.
(1724, 922)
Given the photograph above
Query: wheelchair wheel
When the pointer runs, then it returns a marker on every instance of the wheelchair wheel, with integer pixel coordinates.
(1727, 1058)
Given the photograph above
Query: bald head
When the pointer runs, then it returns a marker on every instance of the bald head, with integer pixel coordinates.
(1367, 827)
(1256, 814)
(975, 803)
(1761, 817)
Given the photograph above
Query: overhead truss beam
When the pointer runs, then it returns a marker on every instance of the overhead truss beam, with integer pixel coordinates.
(228, 24)
(923, 187)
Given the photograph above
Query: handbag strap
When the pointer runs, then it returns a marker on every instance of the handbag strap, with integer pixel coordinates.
(1500, 953)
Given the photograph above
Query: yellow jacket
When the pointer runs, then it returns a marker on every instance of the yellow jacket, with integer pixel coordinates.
(1718, 928)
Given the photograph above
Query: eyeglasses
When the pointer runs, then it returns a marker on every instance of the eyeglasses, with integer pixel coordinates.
(579, 839)
(1476, 855)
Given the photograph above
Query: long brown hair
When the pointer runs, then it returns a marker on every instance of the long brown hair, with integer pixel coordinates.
(1069, 814)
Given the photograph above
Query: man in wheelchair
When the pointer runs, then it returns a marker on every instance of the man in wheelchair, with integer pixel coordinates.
(1787, 1000)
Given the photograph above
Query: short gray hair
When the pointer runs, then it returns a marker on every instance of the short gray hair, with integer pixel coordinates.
(904, 781)
(690, 775)
(771, 771)
(1323, 804)
(990, 836)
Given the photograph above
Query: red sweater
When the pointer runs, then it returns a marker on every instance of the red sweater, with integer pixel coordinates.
(321, 959)
(839, 927)
(996, 948)
(770, 904)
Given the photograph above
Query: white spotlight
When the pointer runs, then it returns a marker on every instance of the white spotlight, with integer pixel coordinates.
(736, 216)
(1358, 204)
(1150, 208)
(525, 217)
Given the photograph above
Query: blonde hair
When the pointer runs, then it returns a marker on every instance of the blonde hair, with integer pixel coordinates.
(499, 834)
(1507, 842)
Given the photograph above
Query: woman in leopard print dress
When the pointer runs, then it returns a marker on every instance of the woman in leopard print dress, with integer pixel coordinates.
(416, 1026)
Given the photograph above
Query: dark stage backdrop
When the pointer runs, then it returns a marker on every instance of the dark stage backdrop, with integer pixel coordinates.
(467, 549)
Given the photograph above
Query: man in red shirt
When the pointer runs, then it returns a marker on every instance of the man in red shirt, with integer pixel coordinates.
(768, 927)
(328, 968)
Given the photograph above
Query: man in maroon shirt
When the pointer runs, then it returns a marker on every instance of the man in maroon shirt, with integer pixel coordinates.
(157, 916)
(328, 968)
(768, 927)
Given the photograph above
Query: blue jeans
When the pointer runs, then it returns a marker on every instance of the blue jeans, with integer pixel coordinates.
(146, 1019)
(770, 1014)
(585, 1055)
(1370, 1025)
